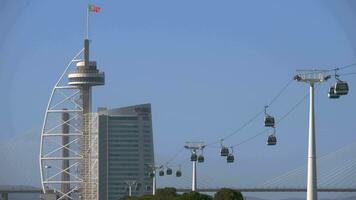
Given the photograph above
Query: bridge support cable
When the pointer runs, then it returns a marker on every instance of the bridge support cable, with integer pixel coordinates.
(343, 176)
(336, 171)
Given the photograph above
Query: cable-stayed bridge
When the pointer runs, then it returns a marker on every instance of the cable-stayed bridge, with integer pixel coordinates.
(336, 173)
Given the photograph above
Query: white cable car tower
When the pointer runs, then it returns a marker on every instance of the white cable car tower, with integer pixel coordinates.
(69, 137)
(311, 77)
(194, 147)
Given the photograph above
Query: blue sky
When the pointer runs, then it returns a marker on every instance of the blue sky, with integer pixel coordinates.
(205, 66)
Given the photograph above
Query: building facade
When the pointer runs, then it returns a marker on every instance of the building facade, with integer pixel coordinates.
(125, 148)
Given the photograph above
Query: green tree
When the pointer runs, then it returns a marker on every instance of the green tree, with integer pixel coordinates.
(146, 197)
(129, 198)
(228, 194)
(165, 194)
(194, 196)
(168, 192)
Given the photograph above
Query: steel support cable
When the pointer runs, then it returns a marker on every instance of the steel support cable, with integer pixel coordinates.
(183, 181)
(345, 67)
(353, 183)
(346, 174)
(280, 120)
(185, 163)
(237, 130)
(279, 179)
(347, 74)
(280, 92)
(29, 132)
(335, 172)
(186, 180)
(336, 154)
(255, 116)
(282, 177)
(347, 179)
(199, 181)
(290, 176)
(175, 156)
(336, 68)
(302, 169)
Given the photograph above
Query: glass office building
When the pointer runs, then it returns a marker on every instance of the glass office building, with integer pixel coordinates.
(125, 147)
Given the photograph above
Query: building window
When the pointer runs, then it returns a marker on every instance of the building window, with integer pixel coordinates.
(146, 118)
(148, 188)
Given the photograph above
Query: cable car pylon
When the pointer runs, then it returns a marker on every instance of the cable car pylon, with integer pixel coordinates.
(311, 77)
(194, 147)
(152, 173)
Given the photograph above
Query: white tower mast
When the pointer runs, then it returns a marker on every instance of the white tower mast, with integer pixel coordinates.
(311, 77)
(194, 147)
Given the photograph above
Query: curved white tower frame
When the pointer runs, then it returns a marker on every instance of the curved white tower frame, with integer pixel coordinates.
(69, 137)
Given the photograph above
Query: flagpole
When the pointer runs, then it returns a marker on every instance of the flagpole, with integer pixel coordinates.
(88, 22)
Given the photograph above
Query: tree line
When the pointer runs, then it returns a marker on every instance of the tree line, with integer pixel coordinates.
(171, 194)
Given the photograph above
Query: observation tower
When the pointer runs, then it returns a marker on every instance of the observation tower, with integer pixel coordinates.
(69, 137)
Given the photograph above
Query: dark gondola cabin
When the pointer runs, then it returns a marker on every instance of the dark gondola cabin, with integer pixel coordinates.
(332, 94)
(169, 171)
(341, 88)
(269, 121)
(200, 158)
(272, 140)
(194, 157)
(230, 158)
(224, 151)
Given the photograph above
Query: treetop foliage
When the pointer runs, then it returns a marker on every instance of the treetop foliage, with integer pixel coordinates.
(171, 194)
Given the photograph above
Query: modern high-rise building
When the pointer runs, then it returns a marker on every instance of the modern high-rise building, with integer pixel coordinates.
(125, 148)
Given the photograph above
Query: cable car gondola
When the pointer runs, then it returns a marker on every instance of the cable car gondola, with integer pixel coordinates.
(200, 158)
(193, 157)
(230, 158)
(179, 172)
(224, 151)
(169, 171)
(269, 120)
(161, 173)
(332, 94)
(341, 87)
(272, 139)
(152, 174)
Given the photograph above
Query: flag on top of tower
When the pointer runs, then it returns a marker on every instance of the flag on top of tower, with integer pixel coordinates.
(93, 8)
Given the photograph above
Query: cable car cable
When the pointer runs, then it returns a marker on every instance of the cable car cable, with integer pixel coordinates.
(255, 116)
(348, 74)
(281, 119)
